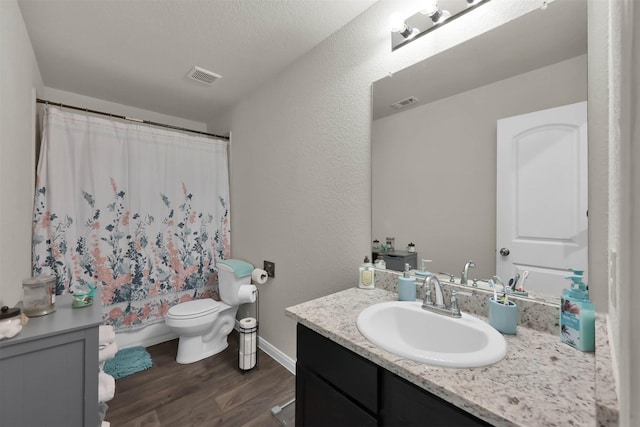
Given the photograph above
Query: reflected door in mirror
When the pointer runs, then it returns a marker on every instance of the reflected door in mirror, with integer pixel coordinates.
(542, 196)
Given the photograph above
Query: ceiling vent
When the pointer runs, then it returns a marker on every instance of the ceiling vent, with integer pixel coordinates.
(404, 102)
(203, 76)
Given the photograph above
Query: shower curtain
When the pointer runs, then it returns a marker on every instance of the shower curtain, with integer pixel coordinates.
(139, 212)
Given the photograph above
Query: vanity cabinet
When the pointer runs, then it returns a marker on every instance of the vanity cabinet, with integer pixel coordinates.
(336, 387)
(49, 371)
(397, 259)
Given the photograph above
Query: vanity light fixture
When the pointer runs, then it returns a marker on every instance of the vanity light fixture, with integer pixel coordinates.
(404, 31)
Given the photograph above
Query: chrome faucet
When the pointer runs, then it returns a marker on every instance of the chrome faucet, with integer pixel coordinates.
(465, 273)
(439, 305)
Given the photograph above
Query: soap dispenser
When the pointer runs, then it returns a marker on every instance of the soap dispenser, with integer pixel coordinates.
(366, 280)
(423, 268)
(577, 315)
(406, 286)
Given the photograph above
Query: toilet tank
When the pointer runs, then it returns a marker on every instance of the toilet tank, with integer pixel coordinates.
(229, 285)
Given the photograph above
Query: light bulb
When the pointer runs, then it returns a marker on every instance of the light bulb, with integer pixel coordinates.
(396, 22)
(398, 25)
(430, 8)
(444, 15)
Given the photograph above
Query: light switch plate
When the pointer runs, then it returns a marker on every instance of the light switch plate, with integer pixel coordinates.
(270, 268)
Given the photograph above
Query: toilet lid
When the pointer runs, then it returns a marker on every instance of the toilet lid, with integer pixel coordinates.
(195, 308)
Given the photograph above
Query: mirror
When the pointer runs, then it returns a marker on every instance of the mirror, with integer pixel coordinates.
(434, 161)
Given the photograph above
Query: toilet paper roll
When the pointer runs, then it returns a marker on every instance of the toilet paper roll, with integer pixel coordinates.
(246, 361)
(248, 322)
(248, 343)
(247, 294)
(259, 276)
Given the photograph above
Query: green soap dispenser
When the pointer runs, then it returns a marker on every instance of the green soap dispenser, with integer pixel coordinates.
(577, 315)
(406, 286)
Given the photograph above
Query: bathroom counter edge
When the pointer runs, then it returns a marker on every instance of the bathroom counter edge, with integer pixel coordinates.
(607, 409)
(541, 381)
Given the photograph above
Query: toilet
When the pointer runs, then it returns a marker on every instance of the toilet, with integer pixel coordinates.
(203, 325)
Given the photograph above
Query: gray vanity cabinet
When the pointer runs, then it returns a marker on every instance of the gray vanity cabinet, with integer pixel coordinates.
(49, 371)
(397, 259)
(336, 387)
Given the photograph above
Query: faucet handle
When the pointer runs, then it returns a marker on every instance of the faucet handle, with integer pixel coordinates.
(427, 297)
(451, 277)
(455, 310)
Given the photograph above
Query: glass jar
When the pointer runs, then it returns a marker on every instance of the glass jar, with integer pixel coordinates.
(391, 244)
(39, 295)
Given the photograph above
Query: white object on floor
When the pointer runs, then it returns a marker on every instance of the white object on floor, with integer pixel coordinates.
(107, 352)
(106, 334)
(203, 325)
(106, 387)
(105, 424)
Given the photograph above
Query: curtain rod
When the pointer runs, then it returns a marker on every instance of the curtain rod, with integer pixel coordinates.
(131, 119)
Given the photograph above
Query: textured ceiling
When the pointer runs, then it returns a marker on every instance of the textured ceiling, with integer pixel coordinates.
(138, 52)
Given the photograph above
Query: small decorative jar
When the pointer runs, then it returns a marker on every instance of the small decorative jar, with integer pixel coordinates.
(83, 296)
(39, 295)
(380, 263)
(391, 244)
(411, 247)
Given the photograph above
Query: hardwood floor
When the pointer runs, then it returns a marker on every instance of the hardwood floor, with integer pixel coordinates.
(211, 392)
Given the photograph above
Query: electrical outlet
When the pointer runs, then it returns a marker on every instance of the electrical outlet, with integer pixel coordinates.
(270, 268)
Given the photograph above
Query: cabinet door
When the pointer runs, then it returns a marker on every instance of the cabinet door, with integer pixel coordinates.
(406, 405)
(51, 381)
(353, 375)
(319, 404)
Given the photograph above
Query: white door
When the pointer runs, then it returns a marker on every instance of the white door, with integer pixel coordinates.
(541, 211)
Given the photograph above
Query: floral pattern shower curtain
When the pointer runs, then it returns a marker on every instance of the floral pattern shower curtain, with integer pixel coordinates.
(140, 212)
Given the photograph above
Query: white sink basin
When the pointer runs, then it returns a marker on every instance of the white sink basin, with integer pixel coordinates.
(405, 329)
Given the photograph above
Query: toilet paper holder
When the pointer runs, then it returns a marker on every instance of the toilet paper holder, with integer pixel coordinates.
(259, 276)
(248, 338)
(248, 327)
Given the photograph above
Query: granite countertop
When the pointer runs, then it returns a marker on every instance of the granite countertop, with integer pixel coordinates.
(540, 382)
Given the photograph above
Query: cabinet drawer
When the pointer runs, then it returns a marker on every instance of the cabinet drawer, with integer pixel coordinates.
(347, 371)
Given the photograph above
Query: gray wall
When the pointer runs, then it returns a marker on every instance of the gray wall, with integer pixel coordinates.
(19, 79)
(301, 152)
(434, 166)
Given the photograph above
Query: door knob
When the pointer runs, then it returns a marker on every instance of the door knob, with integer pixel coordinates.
(504, 251)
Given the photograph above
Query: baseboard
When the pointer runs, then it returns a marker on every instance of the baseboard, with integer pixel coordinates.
(148, 342)
(274, 352)
(160, 333)
(146, 337)
(277, 355)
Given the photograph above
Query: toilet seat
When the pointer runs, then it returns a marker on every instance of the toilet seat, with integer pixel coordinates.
(195, 308)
